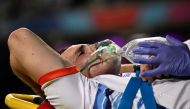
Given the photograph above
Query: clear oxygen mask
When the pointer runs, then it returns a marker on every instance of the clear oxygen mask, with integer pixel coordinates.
(105, 49)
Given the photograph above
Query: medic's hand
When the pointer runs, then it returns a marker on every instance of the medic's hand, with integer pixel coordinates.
(173, 59)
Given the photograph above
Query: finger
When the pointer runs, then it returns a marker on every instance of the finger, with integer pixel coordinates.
(145, 61)
(150, 73)
(145, 51)
(150, 44)
(173, 41)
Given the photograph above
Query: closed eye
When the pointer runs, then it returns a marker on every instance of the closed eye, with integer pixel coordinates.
(81, 50)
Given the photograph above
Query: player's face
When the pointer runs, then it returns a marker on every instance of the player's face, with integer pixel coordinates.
(79, 55)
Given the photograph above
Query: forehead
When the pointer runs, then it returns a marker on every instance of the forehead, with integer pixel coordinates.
(69, 53)
(73, 52)
(77, 48)
(69, 47)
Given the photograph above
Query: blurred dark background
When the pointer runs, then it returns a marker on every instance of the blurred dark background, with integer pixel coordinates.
(64, 22)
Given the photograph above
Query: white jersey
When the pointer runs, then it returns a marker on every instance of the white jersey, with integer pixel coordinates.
(75, 91)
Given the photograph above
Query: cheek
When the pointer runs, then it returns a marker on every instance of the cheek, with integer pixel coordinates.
(81, 61)
(109, 67)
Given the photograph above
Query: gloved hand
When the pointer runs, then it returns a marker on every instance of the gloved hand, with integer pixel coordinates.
(173, 59)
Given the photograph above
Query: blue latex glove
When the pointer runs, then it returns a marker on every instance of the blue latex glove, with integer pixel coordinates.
(173, 59)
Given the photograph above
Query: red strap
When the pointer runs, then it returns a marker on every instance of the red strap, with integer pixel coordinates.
(57, 73)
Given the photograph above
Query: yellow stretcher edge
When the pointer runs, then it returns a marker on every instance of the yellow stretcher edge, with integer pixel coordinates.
(20, 101)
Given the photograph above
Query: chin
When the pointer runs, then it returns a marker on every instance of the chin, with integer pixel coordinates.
(104, 69)
(107, 67)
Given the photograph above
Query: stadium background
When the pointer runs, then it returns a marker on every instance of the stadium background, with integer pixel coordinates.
(64, 22)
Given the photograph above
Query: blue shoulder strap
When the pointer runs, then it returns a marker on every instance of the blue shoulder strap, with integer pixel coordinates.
(131, 90)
